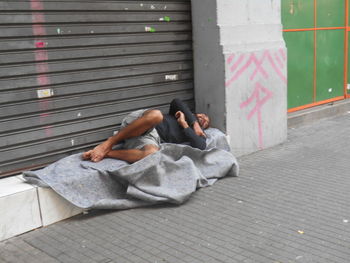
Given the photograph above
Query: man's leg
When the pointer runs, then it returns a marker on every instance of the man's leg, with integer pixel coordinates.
(132, 155)
(149, 120)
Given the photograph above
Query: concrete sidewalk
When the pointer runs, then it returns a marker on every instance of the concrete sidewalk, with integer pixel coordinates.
(291, 203)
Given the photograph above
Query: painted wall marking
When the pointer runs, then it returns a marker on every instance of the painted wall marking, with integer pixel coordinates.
(40, 44)
(41, 56)
(239, 67)
(283, 54)
(48, 131)
(259, 103)
(260, 94)
(230, 59)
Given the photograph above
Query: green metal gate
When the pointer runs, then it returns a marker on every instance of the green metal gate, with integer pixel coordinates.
(316, 34)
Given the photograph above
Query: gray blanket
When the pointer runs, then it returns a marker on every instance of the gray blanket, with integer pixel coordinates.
(170, 175)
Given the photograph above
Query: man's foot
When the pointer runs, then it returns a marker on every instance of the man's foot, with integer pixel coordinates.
(86, 155)
(98, 153)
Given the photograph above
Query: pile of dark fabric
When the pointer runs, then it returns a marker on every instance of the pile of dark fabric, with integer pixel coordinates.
(170, 175)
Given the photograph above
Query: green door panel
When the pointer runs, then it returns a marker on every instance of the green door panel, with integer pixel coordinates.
(330, 64)
(300, 67)
(298, 14)
(330, 13)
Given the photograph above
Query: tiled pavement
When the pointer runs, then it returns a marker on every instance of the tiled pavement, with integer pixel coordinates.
(291, 203)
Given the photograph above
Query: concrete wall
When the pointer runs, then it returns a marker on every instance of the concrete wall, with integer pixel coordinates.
(240, 65)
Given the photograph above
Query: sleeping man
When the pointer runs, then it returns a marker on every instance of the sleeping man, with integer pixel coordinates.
(143, 130)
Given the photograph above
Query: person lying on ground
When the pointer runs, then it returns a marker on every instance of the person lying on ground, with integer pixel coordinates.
(142, 132)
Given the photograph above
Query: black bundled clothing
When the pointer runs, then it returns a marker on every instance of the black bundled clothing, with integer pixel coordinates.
(170, 131)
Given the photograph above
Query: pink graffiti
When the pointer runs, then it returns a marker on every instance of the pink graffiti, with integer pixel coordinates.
(277, 70)
(259, 67)
(42, 67)
(44, 105)
(48, 131)
(230, 59)
(239, 61)
(40, 44)
(258, 63)
(259, 103)
(36, 5)
(43, 80)
(43, 117)
(279, 61)
(38, 18)
(283, 54)
(38, 30)
(41, 56)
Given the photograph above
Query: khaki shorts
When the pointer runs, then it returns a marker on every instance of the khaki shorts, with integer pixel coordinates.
(150, 137)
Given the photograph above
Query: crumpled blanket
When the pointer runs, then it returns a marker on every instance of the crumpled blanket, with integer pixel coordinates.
(170, 175)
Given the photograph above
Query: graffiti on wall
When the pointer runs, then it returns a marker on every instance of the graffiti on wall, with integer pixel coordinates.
(41, 56)
(255, 66)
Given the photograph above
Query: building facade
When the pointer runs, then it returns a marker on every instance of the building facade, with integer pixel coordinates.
(70, 71)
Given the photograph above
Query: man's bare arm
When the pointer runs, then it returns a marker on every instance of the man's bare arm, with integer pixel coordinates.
(198, 130)
(196, 141)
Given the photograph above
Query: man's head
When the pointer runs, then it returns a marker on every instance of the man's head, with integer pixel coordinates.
(203, 120)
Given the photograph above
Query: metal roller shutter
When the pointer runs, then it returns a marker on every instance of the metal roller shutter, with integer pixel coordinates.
(71, 70)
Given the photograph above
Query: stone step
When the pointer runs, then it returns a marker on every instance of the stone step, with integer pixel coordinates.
(25, 207)
(311, 115)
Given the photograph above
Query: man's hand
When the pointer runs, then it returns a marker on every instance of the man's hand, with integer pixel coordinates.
(98, 153)
(198, 130)
(180, 116)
